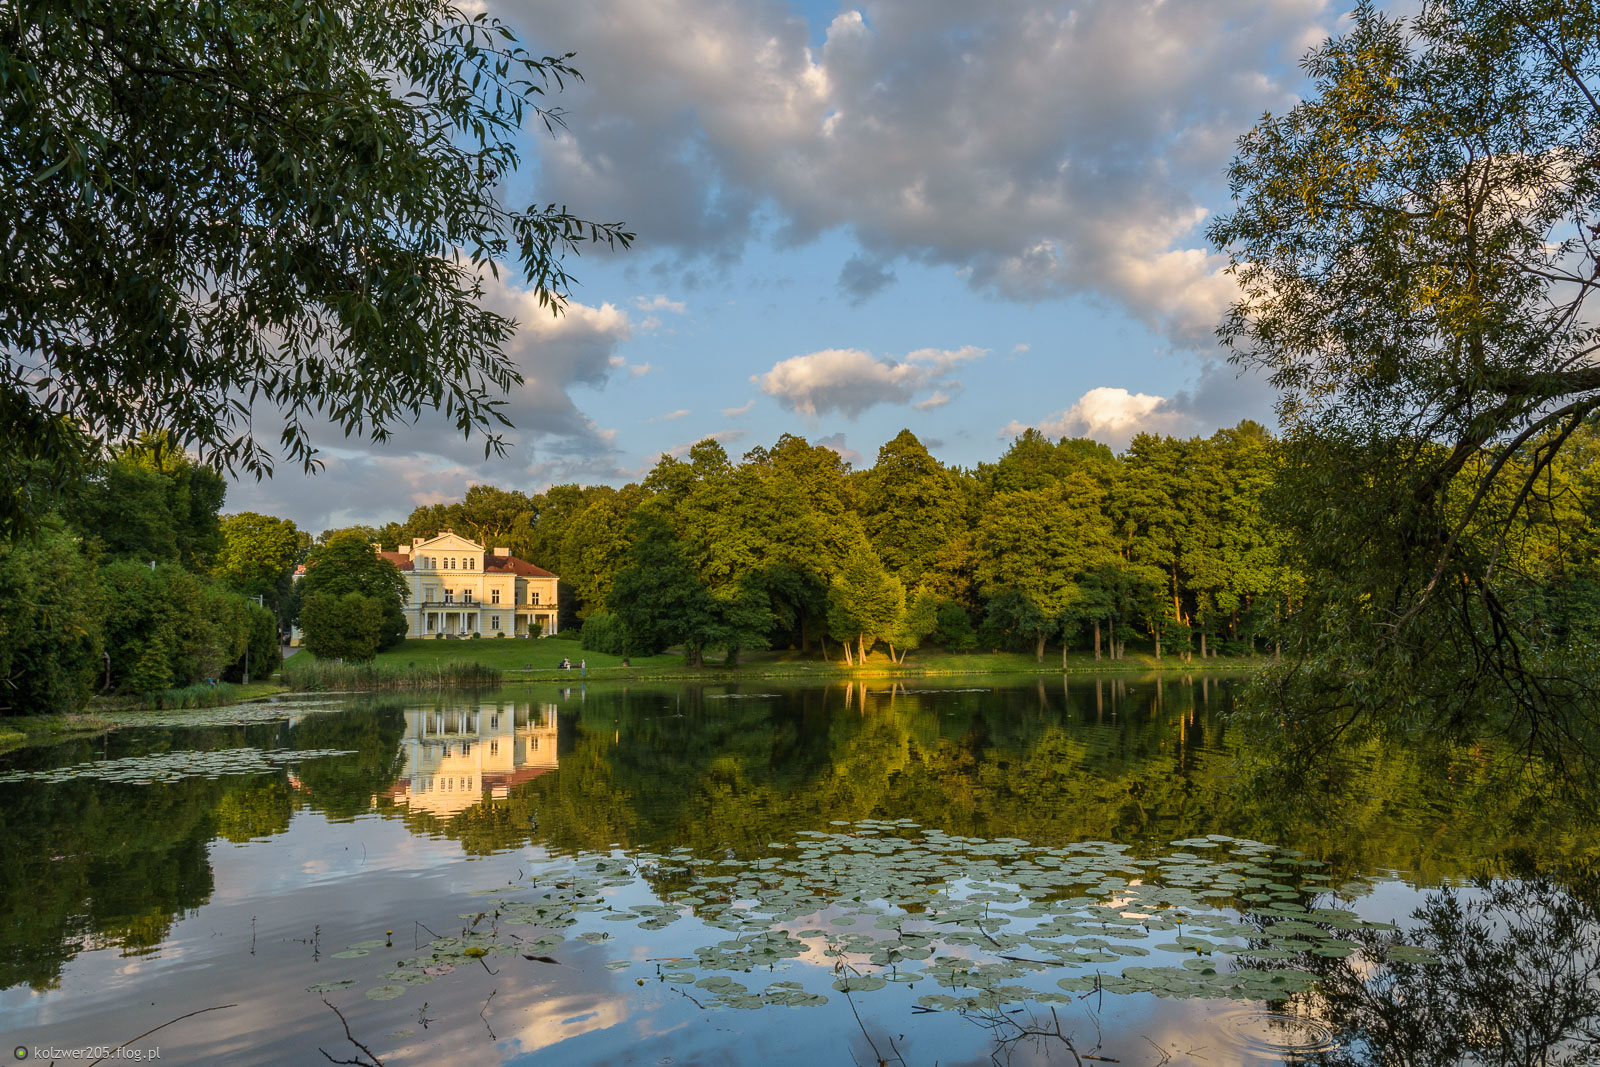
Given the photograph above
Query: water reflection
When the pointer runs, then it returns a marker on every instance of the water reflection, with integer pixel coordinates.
(724, 771)
(459, 757)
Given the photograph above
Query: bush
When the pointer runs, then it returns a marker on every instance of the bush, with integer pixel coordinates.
(569, 635)
(953, 631)
(51, 609)
(348, 626)
(603, 632)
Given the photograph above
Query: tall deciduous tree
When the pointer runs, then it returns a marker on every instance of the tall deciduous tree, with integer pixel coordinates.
(911, 505)
(293, 204)
(347, 563)
(259, 555)
(1415, 246)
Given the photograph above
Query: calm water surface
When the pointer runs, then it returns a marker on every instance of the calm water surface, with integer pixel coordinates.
(920, 873)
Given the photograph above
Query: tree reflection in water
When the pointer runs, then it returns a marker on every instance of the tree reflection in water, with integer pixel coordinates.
(1516, 980)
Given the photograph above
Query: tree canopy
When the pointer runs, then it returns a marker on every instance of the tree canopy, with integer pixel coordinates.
(213, 207)
(1415, 246)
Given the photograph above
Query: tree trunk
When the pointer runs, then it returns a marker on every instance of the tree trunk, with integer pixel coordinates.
(1156, 633)
(1063, 659)
(1202, 644)
(1038, 649)
(848, 660)
(861, 649)
(1097, 640)
(891, 652)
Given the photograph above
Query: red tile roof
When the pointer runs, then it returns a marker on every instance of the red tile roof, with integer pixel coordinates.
(399, 559)
(513, 565)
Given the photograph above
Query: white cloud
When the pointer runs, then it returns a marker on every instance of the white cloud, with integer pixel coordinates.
(1040, 148)
(1111, 416)
(744, 409)
(659, 302)
(849, 381)
(670, 416)
(550, 436)
(938, 400)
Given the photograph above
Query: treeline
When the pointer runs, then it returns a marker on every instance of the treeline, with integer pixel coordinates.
(135, 584)
(1056, 543)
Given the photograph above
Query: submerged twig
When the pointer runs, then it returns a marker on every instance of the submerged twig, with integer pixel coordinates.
(352, 1038)
(163, 1026)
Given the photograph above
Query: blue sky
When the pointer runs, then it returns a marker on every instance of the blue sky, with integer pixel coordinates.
(959, 218)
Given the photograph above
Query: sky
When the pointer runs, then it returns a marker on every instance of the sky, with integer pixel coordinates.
(853, 218)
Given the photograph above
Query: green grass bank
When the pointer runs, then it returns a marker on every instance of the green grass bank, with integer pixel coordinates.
(442, 664)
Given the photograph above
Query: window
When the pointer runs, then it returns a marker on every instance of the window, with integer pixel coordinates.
(533, 596)
(472, 563)
(449, 595)
(494, 596)
(494, 748)
(427, 595)
(466, 596)
(494, 622)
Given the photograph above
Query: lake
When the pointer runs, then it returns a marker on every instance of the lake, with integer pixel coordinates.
(1079, 870)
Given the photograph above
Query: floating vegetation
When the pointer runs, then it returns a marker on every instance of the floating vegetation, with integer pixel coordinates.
(233, 715)
(173, 766)
(984, 923)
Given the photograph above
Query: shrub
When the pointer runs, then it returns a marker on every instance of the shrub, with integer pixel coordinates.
(603, 632)
(348, 626)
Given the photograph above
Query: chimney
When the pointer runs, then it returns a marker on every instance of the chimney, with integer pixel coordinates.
(502, 552)
(405, 550)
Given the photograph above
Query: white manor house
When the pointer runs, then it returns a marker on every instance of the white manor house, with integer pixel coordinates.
(458, 587)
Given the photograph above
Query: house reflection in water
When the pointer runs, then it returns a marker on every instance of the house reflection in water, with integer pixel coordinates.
(454, 757)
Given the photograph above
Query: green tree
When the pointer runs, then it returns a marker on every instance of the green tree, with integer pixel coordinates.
(865, 603)
(657, 595)
(347, 563)
(149, 501)
(213, 202)
(50, 630)
(1414, 247)
(348, 626)
(911, 506)
(259, 555)
(1037, 544)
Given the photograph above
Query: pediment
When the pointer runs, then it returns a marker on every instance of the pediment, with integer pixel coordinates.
(445, 542)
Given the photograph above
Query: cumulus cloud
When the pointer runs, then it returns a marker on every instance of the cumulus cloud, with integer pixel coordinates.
(835, 442)
(550, 436)
(1109, 415)
(849, 381)
(1042, 148)
(1221, 396)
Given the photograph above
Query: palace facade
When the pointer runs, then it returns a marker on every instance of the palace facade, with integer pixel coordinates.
(458, 588)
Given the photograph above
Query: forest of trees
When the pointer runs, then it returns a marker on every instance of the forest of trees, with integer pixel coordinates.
(136, 584)
(1177, 547)
(1055, 543)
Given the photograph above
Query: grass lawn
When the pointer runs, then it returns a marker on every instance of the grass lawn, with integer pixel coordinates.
(508, 654)
(540, 659)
